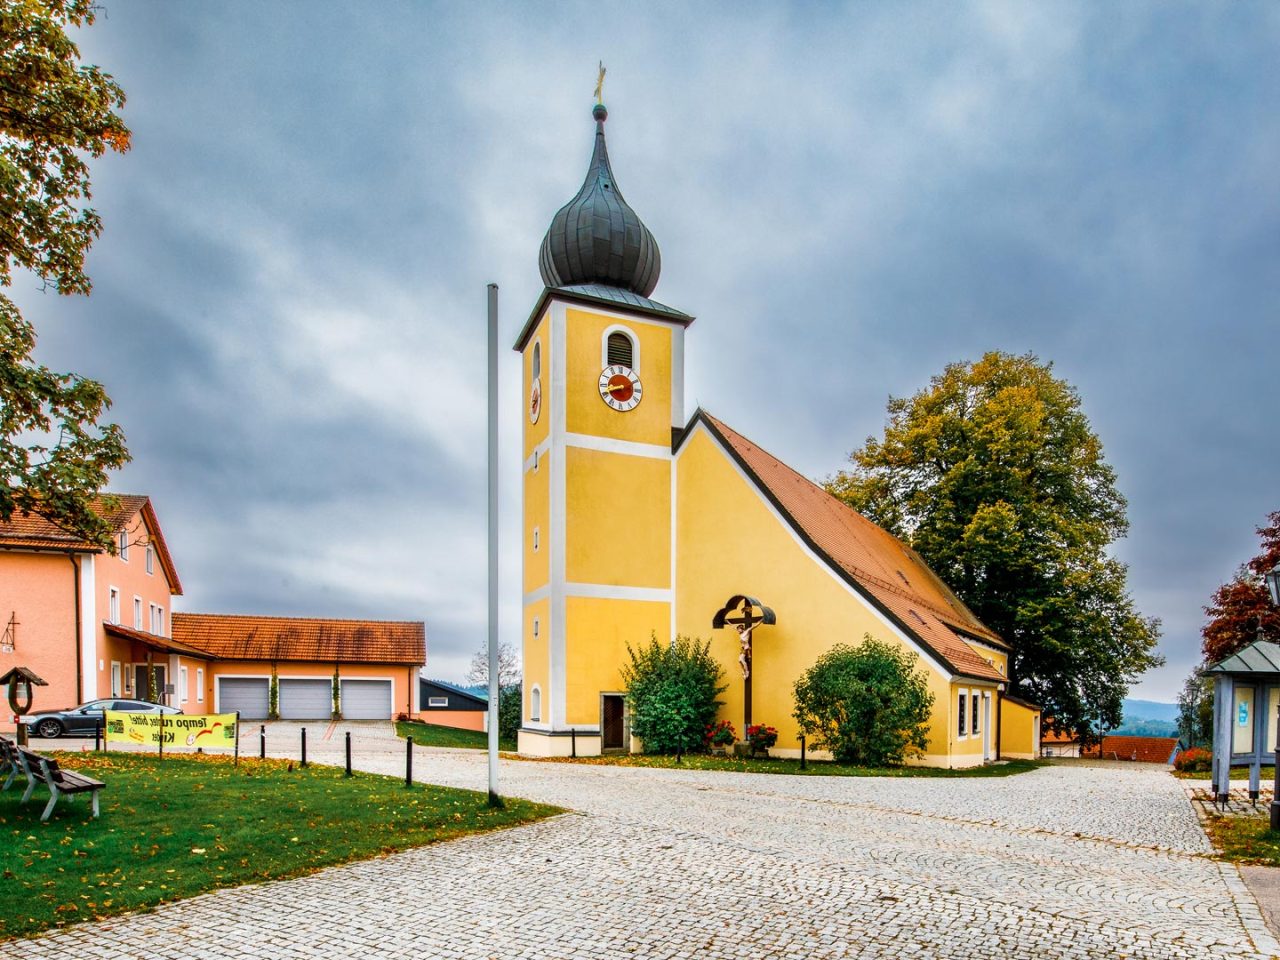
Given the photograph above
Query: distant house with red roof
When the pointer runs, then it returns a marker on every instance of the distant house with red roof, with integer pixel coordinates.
(1141, 749)
(96, 624)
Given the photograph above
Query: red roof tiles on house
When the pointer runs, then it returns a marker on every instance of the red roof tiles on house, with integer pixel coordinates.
(1142, 749)
(236, 637)
(28, 531)
(881, 567)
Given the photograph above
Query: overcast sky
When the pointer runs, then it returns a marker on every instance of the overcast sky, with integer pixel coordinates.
(289, 292)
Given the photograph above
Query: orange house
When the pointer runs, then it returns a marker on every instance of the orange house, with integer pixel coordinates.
(95, 624)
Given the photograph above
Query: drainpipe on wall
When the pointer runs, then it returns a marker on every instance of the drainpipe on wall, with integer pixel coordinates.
(75, 580)
(999, 697)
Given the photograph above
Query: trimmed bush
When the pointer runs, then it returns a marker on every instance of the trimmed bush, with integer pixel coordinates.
(510, 707)
(1195, 760)
(869, 705)
(672, 693)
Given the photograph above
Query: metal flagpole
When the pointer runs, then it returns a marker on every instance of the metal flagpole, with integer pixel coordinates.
(494, 692)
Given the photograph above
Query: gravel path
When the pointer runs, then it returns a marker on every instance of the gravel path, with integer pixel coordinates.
(1067, 861)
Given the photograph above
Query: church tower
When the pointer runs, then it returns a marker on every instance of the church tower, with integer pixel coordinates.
(604, 389)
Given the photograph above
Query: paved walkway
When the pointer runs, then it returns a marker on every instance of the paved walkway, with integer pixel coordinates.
(1065, 862)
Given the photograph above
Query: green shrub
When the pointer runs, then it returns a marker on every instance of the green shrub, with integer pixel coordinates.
(510, 710)
(672, 692)
(868, 705)
(1195, 760)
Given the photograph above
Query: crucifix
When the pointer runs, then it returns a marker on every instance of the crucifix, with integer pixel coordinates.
(745, 623)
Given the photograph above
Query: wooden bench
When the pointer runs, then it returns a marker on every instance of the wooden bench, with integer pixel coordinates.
(40, 769)
(10, 766)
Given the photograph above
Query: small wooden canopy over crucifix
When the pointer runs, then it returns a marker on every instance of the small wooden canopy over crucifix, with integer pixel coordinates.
(745, 622)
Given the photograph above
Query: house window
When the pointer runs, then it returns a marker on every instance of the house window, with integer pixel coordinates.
(537, 360)
(535, 704)
(964, 714)
(620, 349)
(157, 620)
(437, 701)
(976, 726)
(182, 684)
(114, 605)
(124, 545)
(115, 678)
(199, 685)
(137, 613)
(151, 559)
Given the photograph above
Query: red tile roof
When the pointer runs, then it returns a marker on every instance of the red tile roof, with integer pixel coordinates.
(236, 637)
(1142, 749)
(882, 568)
(154, 640)
(31, 532)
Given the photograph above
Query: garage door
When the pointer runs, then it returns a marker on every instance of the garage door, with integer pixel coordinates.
(306, 699)
(246, 694)
(366, 699)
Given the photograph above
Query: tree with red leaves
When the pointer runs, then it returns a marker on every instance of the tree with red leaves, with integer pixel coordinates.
(1241, 608)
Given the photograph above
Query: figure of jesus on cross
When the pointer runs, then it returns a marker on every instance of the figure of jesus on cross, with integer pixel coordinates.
(745, 623)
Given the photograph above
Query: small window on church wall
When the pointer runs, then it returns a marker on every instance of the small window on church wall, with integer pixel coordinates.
(535, 539)
(535, 704)
(964, 714)
(976, 727)
(535, 628)
(620, 350)
(537, 360)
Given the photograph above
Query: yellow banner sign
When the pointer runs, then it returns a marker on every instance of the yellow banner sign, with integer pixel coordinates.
(172, 729)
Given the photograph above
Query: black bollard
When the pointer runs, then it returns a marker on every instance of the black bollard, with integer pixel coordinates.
(408, 762)
(97, 735)
(262, 742)
(348, 753)
(573, 742)
(304, 746)
(802, 764)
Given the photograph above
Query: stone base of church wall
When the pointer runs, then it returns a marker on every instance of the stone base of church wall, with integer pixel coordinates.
(540, 743)
(1028, 756)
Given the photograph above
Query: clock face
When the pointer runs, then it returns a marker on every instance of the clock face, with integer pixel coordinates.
(535, 400)
(620, 388)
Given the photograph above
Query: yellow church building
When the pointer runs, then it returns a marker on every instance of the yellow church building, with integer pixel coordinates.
(639, 522)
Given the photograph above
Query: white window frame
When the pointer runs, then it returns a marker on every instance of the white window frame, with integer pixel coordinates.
(123, 546)
(962, 703)
(535, 704)
(151, 559)
(137, 612)
(631, 335)
(975, 713)
(117, 679)
(113, 604)
(199, 685)
(183, 686)
(437, 701)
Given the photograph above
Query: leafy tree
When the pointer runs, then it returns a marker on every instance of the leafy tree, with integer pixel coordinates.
(54, 112)
(508, 666)
(510, 709)
(1241, 608)
(673, 691)
(995, 477)
(868, 704)
(1195, 710)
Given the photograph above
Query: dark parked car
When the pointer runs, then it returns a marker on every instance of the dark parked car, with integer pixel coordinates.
(85, 719)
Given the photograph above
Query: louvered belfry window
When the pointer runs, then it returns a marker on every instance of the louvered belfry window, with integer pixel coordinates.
(537, 360)
(620, 350)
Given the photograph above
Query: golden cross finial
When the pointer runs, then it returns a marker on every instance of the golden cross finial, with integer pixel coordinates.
(600, 84)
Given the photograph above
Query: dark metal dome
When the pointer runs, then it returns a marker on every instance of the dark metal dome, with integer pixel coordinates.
(596, 237)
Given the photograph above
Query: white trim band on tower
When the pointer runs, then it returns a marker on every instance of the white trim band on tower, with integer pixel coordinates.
(631, 448)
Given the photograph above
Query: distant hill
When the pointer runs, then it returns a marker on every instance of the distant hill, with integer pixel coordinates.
(1149, 718)
(1150, 710)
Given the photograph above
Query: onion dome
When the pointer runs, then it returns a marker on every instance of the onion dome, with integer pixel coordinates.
(596, 237)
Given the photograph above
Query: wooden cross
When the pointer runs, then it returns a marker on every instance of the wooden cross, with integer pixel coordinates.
(745, 623)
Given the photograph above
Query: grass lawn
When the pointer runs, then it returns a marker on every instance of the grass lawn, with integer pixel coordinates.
(1237, 773)
(1245, 839)
(176, 827)
(434, 735)
(816, 768)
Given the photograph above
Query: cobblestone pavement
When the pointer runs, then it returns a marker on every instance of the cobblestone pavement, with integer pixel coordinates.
(1064, 862)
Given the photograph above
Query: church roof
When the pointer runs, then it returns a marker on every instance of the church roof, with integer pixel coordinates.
(884, 570)
(600, 295)
(596, 237)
